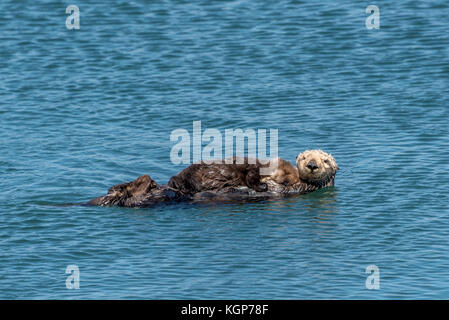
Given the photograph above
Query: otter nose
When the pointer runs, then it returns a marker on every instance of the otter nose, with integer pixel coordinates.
(312, 165)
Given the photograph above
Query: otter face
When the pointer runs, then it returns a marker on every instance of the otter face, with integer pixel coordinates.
(316, 166)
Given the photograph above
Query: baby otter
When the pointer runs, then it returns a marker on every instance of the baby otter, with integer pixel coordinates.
(281, 171)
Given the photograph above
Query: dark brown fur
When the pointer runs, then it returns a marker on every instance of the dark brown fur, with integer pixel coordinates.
(216, 176)
(215, 182)
(142, 192)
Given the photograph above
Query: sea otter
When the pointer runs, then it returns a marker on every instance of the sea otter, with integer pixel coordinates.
(217, 182)
(315, 169)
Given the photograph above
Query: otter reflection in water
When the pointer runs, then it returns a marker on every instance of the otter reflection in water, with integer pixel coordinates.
(221, 181)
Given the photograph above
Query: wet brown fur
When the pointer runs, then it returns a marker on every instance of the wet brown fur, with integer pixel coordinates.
(218, 175)
(240, 178)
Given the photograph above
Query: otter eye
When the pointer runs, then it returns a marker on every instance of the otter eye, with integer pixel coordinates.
(327, 161)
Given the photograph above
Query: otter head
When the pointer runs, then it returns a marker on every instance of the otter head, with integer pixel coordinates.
(316, 167)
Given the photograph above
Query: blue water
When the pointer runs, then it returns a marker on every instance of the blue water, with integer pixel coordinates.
(82, 110)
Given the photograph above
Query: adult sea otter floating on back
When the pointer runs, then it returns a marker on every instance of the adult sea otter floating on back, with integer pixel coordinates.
(239, 180)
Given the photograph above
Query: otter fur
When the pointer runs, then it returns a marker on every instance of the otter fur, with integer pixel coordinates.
(283, 172)
(217, 175)
(142, 192)
(235, 172)
(315, 169)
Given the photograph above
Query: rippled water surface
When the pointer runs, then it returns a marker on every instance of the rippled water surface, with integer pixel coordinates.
(81, 110)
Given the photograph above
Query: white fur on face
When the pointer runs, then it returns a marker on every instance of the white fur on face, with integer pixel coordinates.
(327, 166)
